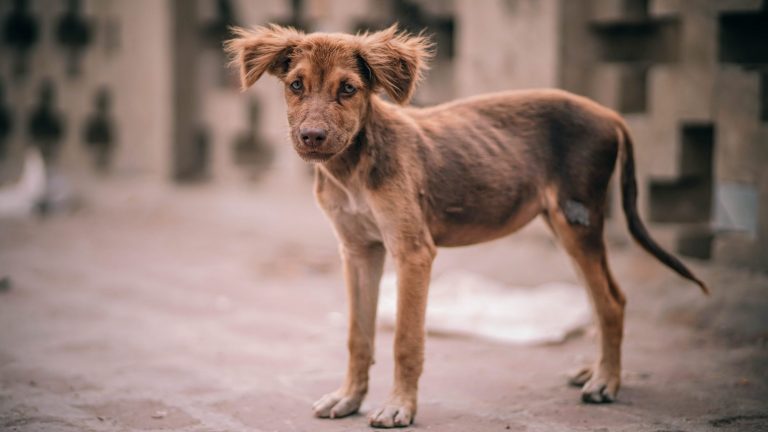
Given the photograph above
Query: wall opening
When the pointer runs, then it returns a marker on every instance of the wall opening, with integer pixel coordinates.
(633, 90)
(743, 38)
(637, 42)
(645, 40)
(764, 96)
(687, 199)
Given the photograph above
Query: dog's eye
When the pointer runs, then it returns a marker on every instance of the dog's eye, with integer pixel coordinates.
(296, 85)
(348, 89)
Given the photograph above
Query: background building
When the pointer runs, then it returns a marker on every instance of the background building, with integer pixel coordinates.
(139, 89)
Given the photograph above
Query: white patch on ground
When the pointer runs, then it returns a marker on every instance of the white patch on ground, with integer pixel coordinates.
(469, 304)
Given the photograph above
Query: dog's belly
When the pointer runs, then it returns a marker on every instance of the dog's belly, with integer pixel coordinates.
(479, 187)
(463, 226)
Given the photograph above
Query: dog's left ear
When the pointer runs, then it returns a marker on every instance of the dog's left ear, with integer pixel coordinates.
(396, 61)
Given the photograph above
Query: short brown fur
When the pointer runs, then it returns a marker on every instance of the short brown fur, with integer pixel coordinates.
(406, 180)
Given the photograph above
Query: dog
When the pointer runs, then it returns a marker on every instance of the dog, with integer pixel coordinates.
(404, 180)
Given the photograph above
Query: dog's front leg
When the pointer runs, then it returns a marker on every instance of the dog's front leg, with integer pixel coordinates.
(413, 274)
(363, 266)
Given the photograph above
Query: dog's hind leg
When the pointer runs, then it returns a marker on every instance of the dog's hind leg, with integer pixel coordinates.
(579, 228)
(363, 266)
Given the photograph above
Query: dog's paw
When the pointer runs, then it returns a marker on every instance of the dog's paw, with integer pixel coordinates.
(580, 376)
(601, 388)
(337, 404)
(393, 414)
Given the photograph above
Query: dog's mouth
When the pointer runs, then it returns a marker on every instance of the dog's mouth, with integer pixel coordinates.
(315, 155)
(320, 153)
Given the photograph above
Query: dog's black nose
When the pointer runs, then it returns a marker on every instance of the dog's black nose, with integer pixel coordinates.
(312, 137)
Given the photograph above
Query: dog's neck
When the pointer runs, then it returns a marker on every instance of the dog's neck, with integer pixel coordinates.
(343, 166)
(366, 147)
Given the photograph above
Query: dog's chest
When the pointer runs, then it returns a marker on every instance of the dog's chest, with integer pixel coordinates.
(348, 209)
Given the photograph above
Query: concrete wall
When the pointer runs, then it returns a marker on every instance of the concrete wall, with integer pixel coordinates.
(134, 65)
(699, 133)
(504, 45)
(679, 71)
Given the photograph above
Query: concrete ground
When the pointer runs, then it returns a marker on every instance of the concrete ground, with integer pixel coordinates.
(222, 309)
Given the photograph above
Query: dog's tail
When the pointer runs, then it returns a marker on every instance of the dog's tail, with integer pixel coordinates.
(635, 225)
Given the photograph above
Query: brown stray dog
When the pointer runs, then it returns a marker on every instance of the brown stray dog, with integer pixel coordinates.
(406, 180)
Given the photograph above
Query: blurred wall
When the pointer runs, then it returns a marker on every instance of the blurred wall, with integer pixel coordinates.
(689, 76)
(127, 53)
(506, 45)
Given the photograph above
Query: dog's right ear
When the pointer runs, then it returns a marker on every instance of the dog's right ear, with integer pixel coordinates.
(263, 49)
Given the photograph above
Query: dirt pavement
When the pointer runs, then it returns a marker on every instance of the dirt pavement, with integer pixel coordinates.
(222, 309)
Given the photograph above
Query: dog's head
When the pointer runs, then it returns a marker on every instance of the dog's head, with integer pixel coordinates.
(330, 78)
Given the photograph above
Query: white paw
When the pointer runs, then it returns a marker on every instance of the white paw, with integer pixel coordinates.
(601, 387)
(337, 404)
(393, 415)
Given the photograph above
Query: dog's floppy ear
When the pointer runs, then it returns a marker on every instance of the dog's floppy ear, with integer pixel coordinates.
(262, 49)
(396, 61)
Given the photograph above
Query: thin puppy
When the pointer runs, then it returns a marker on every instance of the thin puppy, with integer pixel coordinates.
(405, 180)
